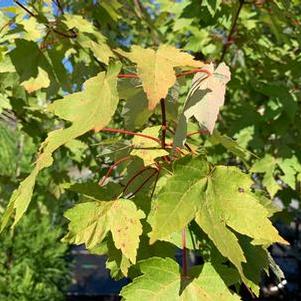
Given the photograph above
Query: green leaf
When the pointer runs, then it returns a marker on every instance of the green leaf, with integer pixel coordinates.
(232, 146)
(28, 60)
(117, 262)
(89, 37)
(135, 111)
(146, 149)
(221, 201)
(207, 286)
(177, 202)
(89, 109)
(160, 281)
(90, 222)
(226, 205)
(156, 69)
(267, 166)
(257, 262)
(204, 100)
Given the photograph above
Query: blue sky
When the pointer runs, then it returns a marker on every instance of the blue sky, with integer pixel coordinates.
(6, 2)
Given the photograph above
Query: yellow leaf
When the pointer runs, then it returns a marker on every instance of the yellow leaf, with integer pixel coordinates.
(156, 69)
(91, 221)
(36, 83)
(148, 150)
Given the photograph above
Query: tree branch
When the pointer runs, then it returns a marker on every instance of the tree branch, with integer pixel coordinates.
(66, 35)
(232, 30)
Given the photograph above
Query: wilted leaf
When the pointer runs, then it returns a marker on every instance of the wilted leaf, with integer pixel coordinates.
(204, 100)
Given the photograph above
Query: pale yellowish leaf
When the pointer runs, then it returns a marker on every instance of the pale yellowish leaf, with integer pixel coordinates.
(156, 69)
(41, 81)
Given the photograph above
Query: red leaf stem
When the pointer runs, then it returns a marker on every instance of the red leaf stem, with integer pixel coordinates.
(193, 71)
(121, 131)
(144, 182)
(104, 178)
(141, 171)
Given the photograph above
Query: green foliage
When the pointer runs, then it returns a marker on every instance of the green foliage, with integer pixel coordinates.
(195, 167)
(33, 266)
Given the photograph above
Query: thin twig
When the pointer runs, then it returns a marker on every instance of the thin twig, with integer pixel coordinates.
(185, 144)
(66, 35)
(232, 30)
(144, 182)
(201, 132)
(155, 183)
(60, 7)
(134, 177)
(121, 131)
(26, 9)
(129, 75)
(104, 178)
(142, 13)
(190, 72)
(193, 71)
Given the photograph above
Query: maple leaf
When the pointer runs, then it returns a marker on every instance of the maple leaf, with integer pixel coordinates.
(207, 286)
(176, 204)
(220, 199)
(98, 46)
(231, 145)
(91, 108)
(161, 280)
(90, 222)
(226, 203)
(204, 100)
(148, 150)
(156, 69)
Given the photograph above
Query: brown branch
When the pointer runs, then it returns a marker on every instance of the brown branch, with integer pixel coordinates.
(155, 183)
(26, 9)
(129, 75)
(66, 35)
(193, 71)
(232, 30)
(59, 5)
